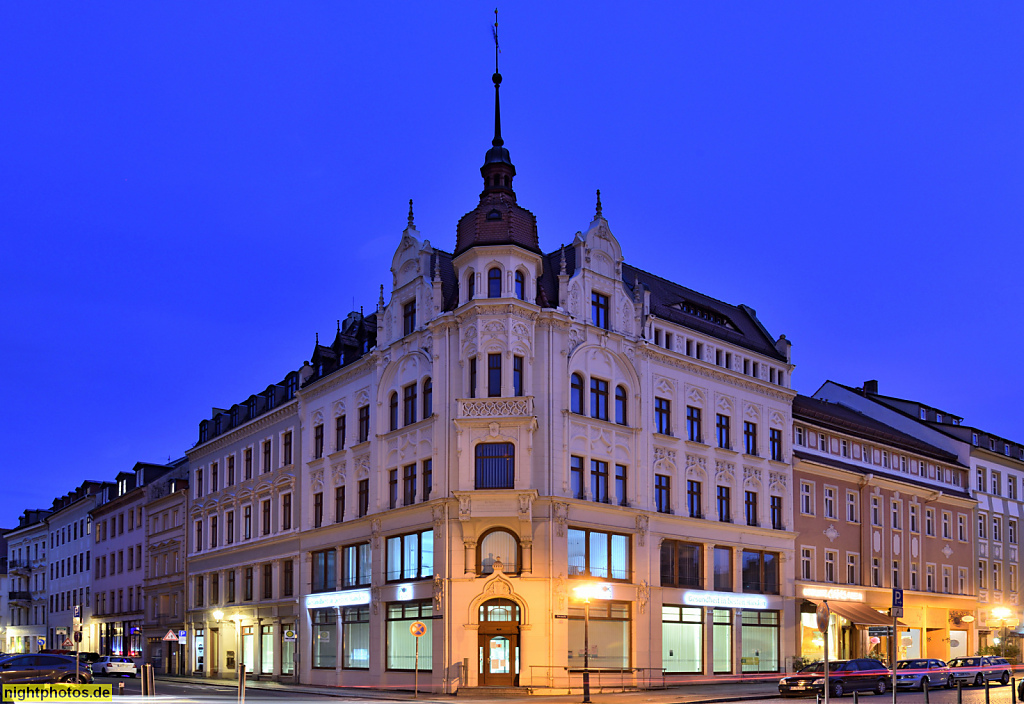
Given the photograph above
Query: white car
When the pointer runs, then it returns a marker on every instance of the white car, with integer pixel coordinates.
(111, 665)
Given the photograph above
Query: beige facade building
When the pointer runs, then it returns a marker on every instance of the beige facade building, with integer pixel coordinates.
(27, 574)
(877, 510)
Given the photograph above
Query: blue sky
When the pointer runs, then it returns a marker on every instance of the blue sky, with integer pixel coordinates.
(190, 192)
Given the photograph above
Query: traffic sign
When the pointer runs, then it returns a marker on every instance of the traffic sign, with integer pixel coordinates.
(418, 628)
(822, 613)
(896, 612)
(290, 635)
(880, 631)
(171, 635)
(897, 598)
(68, 643)
(78, 611)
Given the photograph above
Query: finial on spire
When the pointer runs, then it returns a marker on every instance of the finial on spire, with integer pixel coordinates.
(318, 338)
(561, 263)
(339, 324)
(411, 225)
(380, 298)
(497, 51)
(437, 267)
(599, 214)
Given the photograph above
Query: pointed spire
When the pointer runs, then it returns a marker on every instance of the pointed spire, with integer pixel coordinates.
(411, 225)
(437, 267)
(380, 298)
(318, 339)
(598, 214)
(561, 262)
(339, 325)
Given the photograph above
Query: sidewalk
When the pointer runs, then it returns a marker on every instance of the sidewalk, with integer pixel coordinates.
(696, 693)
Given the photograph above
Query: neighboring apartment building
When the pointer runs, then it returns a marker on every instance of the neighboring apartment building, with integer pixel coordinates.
(27, 573)
(5, 589)
(165, 515)
(118, 579)
(876, 510)
(243, 537)
(70, 551)
(510, 427)
(996, 467)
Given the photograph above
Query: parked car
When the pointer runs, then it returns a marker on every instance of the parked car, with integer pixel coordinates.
(978, 669)
(112, 665)
(36, 668)
(88, 657)
(843, 676)
(914, 673)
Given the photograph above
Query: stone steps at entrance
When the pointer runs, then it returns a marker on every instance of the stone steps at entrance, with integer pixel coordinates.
(493, 692)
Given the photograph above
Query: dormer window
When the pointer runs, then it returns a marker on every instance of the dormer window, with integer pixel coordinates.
(270, 398)
(924, 414)
(494, 283)
(203, 432)
(938, 417)
(216, 425)
(494, 214)
(252, 408)
(234, 417)
(290, 388)
(409, 317)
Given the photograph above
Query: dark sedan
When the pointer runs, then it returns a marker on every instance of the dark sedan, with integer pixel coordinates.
(38, 668)
(860, 674)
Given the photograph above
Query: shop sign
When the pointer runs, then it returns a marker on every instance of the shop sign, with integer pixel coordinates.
(354, 597)
(833, 594)
(725, 600)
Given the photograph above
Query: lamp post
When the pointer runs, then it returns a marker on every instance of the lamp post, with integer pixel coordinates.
(1003, 615)
(585, 593)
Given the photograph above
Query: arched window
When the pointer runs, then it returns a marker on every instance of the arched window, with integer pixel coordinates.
(620, 405)
(503, 610)
(576, 394)
(428, 398)
(393, 411)
(498, 544)
(495, 465)
(494, 283)
(471, 286)
(520, 286)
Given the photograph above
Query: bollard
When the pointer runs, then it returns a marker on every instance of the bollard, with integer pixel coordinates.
(925, 688)
(856, 696)
(150, 679)
(959, 692)
(987, 694)
(144, 681)
(1013, 689)
(120, 689)
(817, 697)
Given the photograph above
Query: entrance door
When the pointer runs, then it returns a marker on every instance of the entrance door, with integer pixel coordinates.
(499, 660)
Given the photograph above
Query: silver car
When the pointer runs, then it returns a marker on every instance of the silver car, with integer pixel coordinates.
(913, 674)
(978, 669)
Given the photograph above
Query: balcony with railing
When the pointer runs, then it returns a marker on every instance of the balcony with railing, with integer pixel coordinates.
(18, 567)
(19, 596)
(496, 407)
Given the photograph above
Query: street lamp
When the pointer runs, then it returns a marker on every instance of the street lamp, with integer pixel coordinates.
(586, 592)
(1002, 614)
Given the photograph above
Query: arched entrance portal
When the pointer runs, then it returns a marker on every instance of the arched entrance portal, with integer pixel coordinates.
(499, 643)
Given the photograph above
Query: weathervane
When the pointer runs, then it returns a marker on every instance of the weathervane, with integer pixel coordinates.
(494, 31)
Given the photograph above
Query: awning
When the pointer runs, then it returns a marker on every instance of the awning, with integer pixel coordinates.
(860, 614)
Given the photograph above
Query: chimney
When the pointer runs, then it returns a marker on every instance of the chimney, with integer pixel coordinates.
(871, 387)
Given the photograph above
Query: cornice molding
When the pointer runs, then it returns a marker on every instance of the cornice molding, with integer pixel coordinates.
(777, 393)
(235, 434)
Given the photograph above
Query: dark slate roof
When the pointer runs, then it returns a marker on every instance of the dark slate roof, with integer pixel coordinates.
(904, 478)
(498, 219)
(449, 284)
(838, 417)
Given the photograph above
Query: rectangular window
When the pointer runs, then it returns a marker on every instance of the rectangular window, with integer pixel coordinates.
(620, 485)
(393, 489)
(693, 427)
(682, 635)
(1011, 531)
(229, 524)
(247, 523)
(776, 512)
(410, 556)
(231, 470)
(472, 377)
(876, 572)
(681, 564)
(599, 309)
(266, 517)
(408, 317)
(339, 504)
(914, 527)
(724, 499)
(409, 404)
(287, 442)
(800, 436)
(401, 644)
(339, 433)
(248, 464)
(775, 444)
(318, 509)
(609, 624)
(364, 423)
(268, 581)
(694, 500)
(830, 502)
(852, 569)
(428, 478)
(517, 376)
(760, 572)
(325, 638)
(494, 375)
(852, 507)
(896, 574)
(355, 566)
(323, 566)
(598, 554)
(364, 497)
(662, 502)
(876, 512)
(982, 521)
(286, 512)
(896, 519)
(576, 477)
(247, 593)
(806, 499)
(214, 485)
(288, 578)
(213, 538)
(723, 569)
(750, 437)
(266, 456)
(599, 398)
(1011, 487)
(409, 485)
(662, 416)
(929, 521)
(318, 441)
(750, 508)
(807, 564)
(722, 429)
(355, 637)
(599, 481)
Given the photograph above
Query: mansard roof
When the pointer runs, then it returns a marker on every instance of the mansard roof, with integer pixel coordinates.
(830, 461)
(841, 418)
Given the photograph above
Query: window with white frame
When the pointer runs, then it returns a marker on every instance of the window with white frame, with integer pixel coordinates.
(997, 576)
(947, 579)
(867, 455)
(914, 527)
(980, 476)
(852, 507)
(1011, 488)
(1011, 531)
(895, 574)
(876, 572)
(997, 528)
(982, 574)
(844, 447)
(961, 580)
(982, 522)
(929, 521)
(822, 442)
(806, 499)
(961, 527)
(807, 563)
(947, 520)
(876, 511)
(997, 484)
(800, 436)
(830, 502)
(852, 568)
(929, 578)
(831, 557)
(913, 577)
(897, 515)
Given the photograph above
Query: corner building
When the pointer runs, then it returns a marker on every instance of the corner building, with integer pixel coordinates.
(512, 425)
